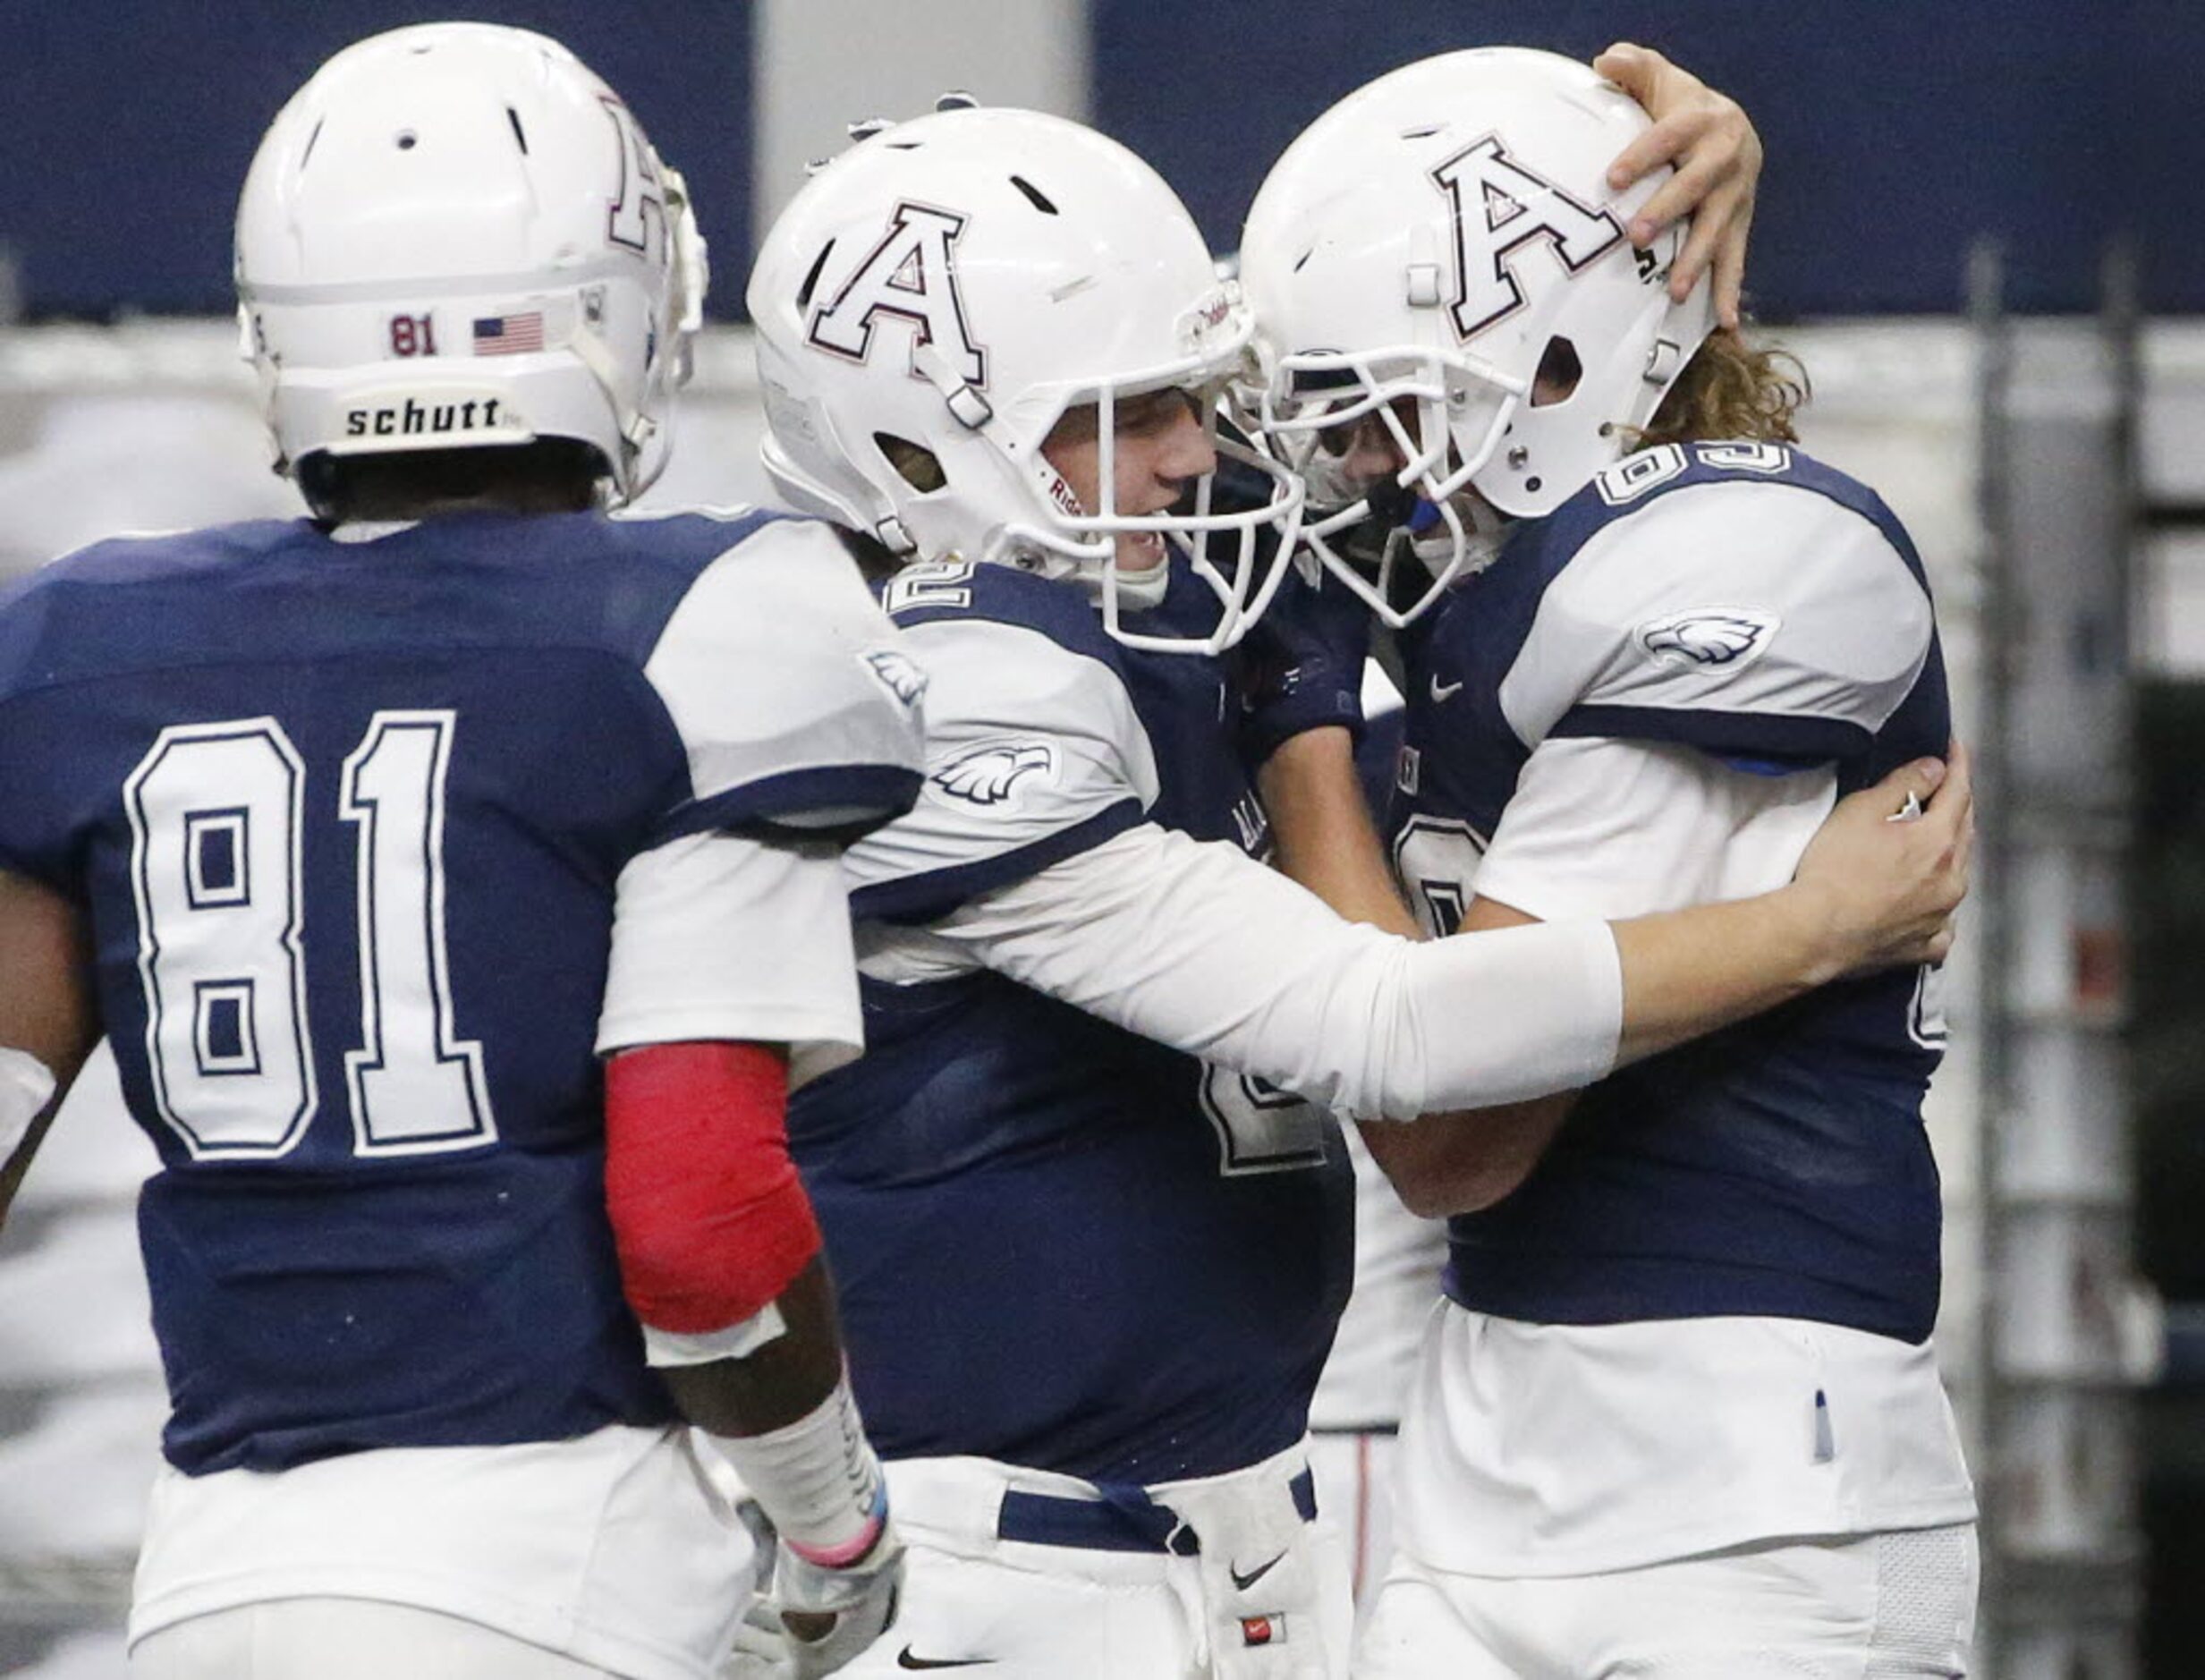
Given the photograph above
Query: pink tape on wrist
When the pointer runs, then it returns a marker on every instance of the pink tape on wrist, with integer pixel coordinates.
(843, 1555)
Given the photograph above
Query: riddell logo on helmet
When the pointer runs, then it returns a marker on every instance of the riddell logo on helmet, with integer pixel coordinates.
(413, 417)
(1061, 494)
(1199, 322)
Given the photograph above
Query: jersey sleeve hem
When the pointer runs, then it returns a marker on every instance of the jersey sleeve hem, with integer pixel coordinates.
(926, 896)
(827, 802)
(728, 1023)
(1803, 741)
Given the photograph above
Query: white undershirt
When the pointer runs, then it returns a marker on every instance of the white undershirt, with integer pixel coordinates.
(719, 936)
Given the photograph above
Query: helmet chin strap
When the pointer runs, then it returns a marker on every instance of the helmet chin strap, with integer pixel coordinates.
(1018, 544)
(1432, 539)
(1138, 589)
(637, 428)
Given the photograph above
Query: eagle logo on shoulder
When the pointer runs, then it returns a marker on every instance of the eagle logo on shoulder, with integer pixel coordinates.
(897, 673)
(988, 775)
(1712, 637)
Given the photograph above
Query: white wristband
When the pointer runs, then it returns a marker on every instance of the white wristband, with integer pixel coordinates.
(26, 1087)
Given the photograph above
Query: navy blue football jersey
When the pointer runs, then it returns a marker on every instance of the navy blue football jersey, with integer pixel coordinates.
(347, 817)
(1057, 1243)
(1748, 603)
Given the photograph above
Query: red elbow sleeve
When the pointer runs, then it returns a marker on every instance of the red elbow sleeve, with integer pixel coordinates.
(710, 1219)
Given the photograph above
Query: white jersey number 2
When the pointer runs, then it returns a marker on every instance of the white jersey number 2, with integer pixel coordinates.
(1436, 860)
(218, 820)
(1260, 1128)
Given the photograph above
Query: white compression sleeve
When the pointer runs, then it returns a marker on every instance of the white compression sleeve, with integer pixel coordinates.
(818, 1479)
(1200, 947)
(26, 1087)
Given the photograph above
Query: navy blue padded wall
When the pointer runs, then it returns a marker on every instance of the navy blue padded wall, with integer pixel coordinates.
(1896, 129)
(130, 123)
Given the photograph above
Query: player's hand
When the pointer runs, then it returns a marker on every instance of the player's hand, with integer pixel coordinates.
(818, 1619)
(1718, 154)
(1891, 865)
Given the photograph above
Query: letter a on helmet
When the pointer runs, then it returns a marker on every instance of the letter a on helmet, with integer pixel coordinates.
(1420, 258)
(910, 276)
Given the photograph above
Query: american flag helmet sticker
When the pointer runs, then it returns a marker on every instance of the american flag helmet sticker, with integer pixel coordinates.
(509, 335)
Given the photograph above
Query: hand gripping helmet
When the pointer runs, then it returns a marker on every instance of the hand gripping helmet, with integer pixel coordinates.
(1422, 254)
(937, 297)
(455, 236)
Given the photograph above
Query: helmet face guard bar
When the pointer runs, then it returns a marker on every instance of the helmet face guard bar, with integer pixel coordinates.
(1309, 409)
(1245, 584)
(1242, 580)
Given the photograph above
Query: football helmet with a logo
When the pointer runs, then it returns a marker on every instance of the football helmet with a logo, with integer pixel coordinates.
(1439, 255)
(455, 236)
(935, 299)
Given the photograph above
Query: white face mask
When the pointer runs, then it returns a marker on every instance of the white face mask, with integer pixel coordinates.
(1407, 552)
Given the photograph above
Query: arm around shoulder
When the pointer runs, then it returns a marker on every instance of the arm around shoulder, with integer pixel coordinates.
(1466, 1161)
(1202, 947)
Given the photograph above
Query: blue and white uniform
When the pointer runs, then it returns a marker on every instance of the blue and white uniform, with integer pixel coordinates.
(1090, 1171)
(1089, 1249)
(1702, 1322)
(361, 820)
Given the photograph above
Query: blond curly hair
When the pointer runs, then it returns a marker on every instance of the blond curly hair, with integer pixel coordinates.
(1731, 389)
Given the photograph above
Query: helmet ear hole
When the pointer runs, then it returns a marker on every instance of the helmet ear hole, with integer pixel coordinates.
(916, 464)
(1559, 372)
(812, 276)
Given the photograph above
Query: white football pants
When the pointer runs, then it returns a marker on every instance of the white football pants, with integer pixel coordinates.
(1015, 1609)
(1882, 1607)
(342, 1639)
(1355, 1471)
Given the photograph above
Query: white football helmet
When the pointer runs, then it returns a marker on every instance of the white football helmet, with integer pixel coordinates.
(942, 293)
(1414, 260)
(455, 236)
